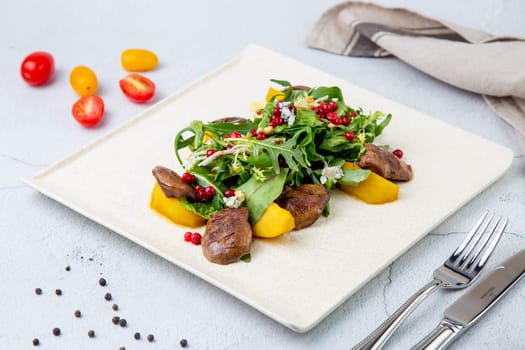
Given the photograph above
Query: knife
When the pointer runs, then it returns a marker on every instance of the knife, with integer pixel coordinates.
(464, 312)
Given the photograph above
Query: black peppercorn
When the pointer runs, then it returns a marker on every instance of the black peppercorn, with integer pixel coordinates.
(115, 319)
(150, 337)
(68, 268)
(136, 335)
(58, 291)
(183, 343)
(56, 331)
(107, 296)
(114, 307)
(122, 348)
(78, 313)
(123, 322)
(102, 281)
(36, 342)
(38, 291)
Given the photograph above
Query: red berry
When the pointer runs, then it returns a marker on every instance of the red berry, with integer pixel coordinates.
(230, 192)
(277, 142)
(337, 121)
(332, 106)
(260, 136)
(352, 114)
(210, 152)
(199, 188)
(332, 116)
(273, 124)
(292, 109)
(346, 121)
(349, 136)
(209, 191)
(188, 178)
(196, 238)
(187, 236)
(253, 132)
(398, 153)
(235, 135)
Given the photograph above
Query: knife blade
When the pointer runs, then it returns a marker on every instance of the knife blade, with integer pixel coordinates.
(465, 311)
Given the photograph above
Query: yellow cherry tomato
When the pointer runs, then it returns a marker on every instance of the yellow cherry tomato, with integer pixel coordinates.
(83, 80)
(138, 60)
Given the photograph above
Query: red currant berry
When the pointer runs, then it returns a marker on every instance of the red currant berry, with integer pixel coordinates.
(260, 136)
(273, 123)
(253, 132)
(210, 152)
(398, 153)
(332, 106)
(236, 135)
(332, 116)
(187, 236)
(352, 114)
(346, 121)
(199, 188)
(337, 121)
(230, 192)
(188, 178)
(196, 238)
(349, 136)
(209, 191)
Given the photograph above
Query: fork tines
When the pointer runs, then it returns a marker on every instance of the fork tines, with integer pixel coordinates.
(486, 232)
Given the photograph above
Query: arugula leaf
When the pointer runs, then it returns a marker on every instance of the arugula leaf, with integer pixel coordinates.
(306, 116)
(330, 92)
(225, 128)
(283, 83)
(259, 195)
(353, 177)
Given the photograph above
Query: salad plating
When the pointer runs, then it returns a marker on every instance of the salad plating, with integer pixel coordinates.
(279, 166)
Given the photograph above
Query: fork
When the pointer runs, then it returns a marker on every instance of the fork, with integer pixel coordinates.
(457, 272)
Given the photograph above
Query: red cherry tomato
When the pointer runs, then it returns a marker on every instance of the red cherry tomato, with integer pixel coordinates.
(37, 68)
(88, 110)
(137, 88)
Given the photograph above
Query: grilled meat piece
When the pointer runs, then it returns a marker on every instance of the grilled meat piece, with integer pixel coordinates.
(385, 164)
(172, 185)
(306, 203)
(228, 236)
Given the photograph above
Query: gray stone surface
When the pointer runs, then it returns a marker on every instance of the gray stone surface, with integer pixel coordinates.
(39, 237)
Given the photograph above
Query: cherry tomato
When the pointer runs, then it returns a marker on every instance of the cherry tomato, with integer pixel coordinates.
(83, 80)
(137, 88)
(88, 110)
(138, 60)
(37, 68)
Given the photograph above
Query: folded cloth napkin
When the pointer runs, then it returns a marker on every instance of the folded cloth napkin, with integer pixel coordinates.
(469, 59)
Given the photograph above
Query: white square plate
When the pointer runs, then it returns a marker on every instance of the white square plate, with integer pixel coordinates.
(299, 278)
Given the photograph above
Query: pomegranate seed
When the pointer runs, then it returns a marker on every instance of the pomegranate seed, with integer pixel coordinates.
(199, 188)
(277, 142)
(332, 116)
(349, 136)
(332, 106)
(230, 192)
(346, 121)
(352, 114)
(260, 136)
(273, 123)
(196, 238)
(188, 178)
(187, 236)
(209, 191)
(201, 197)
(210, 152)
(236, 135)
(253, 132)
(398, 153)
(292, 109)
(338, 121)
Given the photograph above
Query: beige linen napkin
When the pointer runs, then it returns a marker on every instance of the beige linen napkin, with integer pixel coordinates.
(463, 57)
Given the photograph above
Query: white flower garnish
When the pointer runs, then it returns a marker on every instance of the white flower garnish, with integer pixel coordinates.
(331, 173)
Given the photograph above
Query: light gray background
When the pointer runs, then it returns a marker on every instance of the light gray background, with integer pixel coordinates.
(39, 237)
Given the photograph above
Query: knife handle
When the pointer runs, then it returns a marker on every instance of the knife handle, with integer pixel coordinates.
(441, 337)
